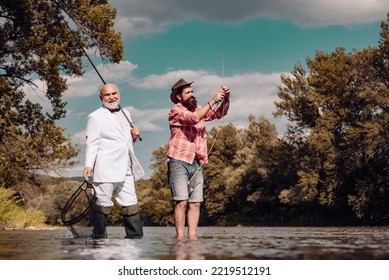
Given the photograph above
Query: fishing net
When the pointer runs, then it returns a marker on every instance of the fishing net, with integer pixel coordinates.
(76, 214)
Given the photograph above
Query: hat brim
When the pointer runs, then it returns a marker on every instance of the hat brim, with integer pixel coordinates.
(173, 94)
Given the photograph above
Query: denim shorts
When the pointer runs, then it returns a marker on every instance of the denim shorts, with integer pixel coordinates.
(179, 174)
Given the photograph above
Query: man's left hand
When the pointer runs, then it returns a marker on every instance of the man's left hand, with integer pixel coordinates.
(135, 133)
(226, 91)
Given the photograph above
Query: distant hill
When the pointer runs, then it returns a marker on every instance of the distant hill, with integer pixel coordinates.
(77, 178)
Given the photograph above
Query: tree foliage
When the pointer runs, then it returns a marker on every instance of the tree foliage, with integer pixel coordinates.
(14, 216)
(155, 196)
(238, 169)
(223, 144)
(339, 108)
(37, 43)
(329, 168)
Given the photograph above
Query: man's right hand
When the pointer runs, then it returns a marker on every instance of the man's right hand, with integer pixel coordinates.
(219, 96)
(87, 173)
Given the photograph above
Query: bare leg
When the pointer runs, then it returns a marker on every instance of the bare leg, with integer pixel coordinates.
(193, 219)
(179, 218)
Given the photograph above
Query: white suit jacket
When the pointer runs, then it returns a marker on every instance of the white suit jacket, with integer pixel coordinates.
(109, 149)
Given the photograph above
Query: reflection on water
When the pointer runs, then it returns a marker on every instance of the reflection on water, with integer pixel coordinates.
(215, 243)
(189, 250)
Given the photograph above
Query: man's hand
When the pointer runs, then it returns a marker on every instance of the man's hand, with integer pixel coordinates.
(87, 173)
(226, 91)
(135, 133)
(219, 96)
(225, 105)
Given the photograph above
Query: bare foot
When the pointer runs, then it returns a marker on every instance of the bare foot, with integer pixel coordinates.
(193, 237)
(180, 237)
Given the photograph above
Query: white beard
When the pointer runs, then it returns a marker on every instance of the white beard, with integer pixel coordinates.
(112, 105)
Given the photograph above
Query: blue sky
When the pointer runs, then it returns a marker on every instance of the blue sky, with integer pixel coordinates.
(172, 39)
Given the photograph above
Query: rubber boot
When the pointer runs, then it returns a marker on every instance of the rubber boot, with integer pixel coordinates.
(100, 221)
(132, 221)
(133, 225)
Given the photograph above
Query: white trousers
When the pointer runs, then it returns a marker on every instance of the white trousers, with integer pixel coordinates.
(124, 192)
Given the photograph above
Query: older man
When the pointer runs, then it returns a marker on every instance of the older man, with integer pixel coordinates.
(111, 160)
(187, 151)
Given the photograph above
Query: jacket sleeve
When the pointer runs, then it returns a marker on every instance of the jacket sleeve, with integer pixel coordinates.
(92, 141)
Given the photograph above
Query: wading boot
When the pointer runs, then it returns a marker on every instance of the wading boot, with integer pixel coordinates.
(132, 221)
(100, 221)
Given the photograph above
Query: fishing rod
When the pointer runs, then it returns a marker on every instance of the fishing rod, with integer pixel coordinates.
(129, 121)
(93, 65)
(82, 48)
(78, 42)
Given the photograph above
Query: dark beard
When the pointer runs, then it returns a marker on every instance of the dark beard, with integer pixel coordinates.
(190, 104)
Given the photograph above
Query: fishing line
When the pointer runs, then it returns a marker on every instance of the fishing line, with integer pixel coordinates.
(222, 58)
(191, 189)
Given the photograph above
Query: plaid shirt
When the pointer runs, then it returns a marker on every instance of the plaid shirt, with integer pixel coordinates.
(188, 136)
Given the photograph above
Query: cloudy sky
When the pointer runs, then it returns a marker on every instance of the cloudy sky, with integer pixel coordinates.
(246, 44)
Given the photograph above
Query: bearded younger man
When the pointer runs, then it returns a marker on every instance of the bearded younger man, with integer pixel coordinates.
(187, 151)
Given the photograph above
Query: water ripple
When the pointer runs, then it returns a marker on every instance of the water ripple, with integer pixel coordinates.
(216, 243)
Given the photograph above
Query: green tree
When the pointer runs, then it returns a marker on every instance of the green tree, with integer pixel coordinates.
(37, 43)
(371, 195)
(237, 175)
(155, 196)
(223, 144)
(339, 113)
(261, 138)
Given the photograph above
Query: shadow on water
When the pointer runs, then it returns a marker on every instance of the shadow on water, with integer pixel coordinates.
(216, 243)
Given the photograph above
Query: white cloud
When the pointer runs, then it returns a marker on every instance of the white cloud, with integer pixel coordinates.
(145, 118)
(79, 138)
(37, 94)
(139, 17)
(75, 115)
(89, 84)
(167, 80)
(251, 93)
(86, 85)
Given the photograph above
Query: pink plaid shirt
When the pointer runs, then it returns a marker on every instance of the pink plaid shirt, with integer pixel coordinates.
(188, 140)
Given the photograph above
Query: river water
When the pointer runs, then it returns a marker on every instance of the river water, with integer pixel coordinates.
(215, 243)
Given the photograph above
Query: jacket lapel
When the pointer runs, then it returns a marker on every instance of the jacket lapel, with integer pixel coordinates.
(111, 118)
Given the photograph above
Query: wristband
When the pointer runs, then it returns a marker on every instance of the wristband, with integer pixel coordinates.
(209, 104)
